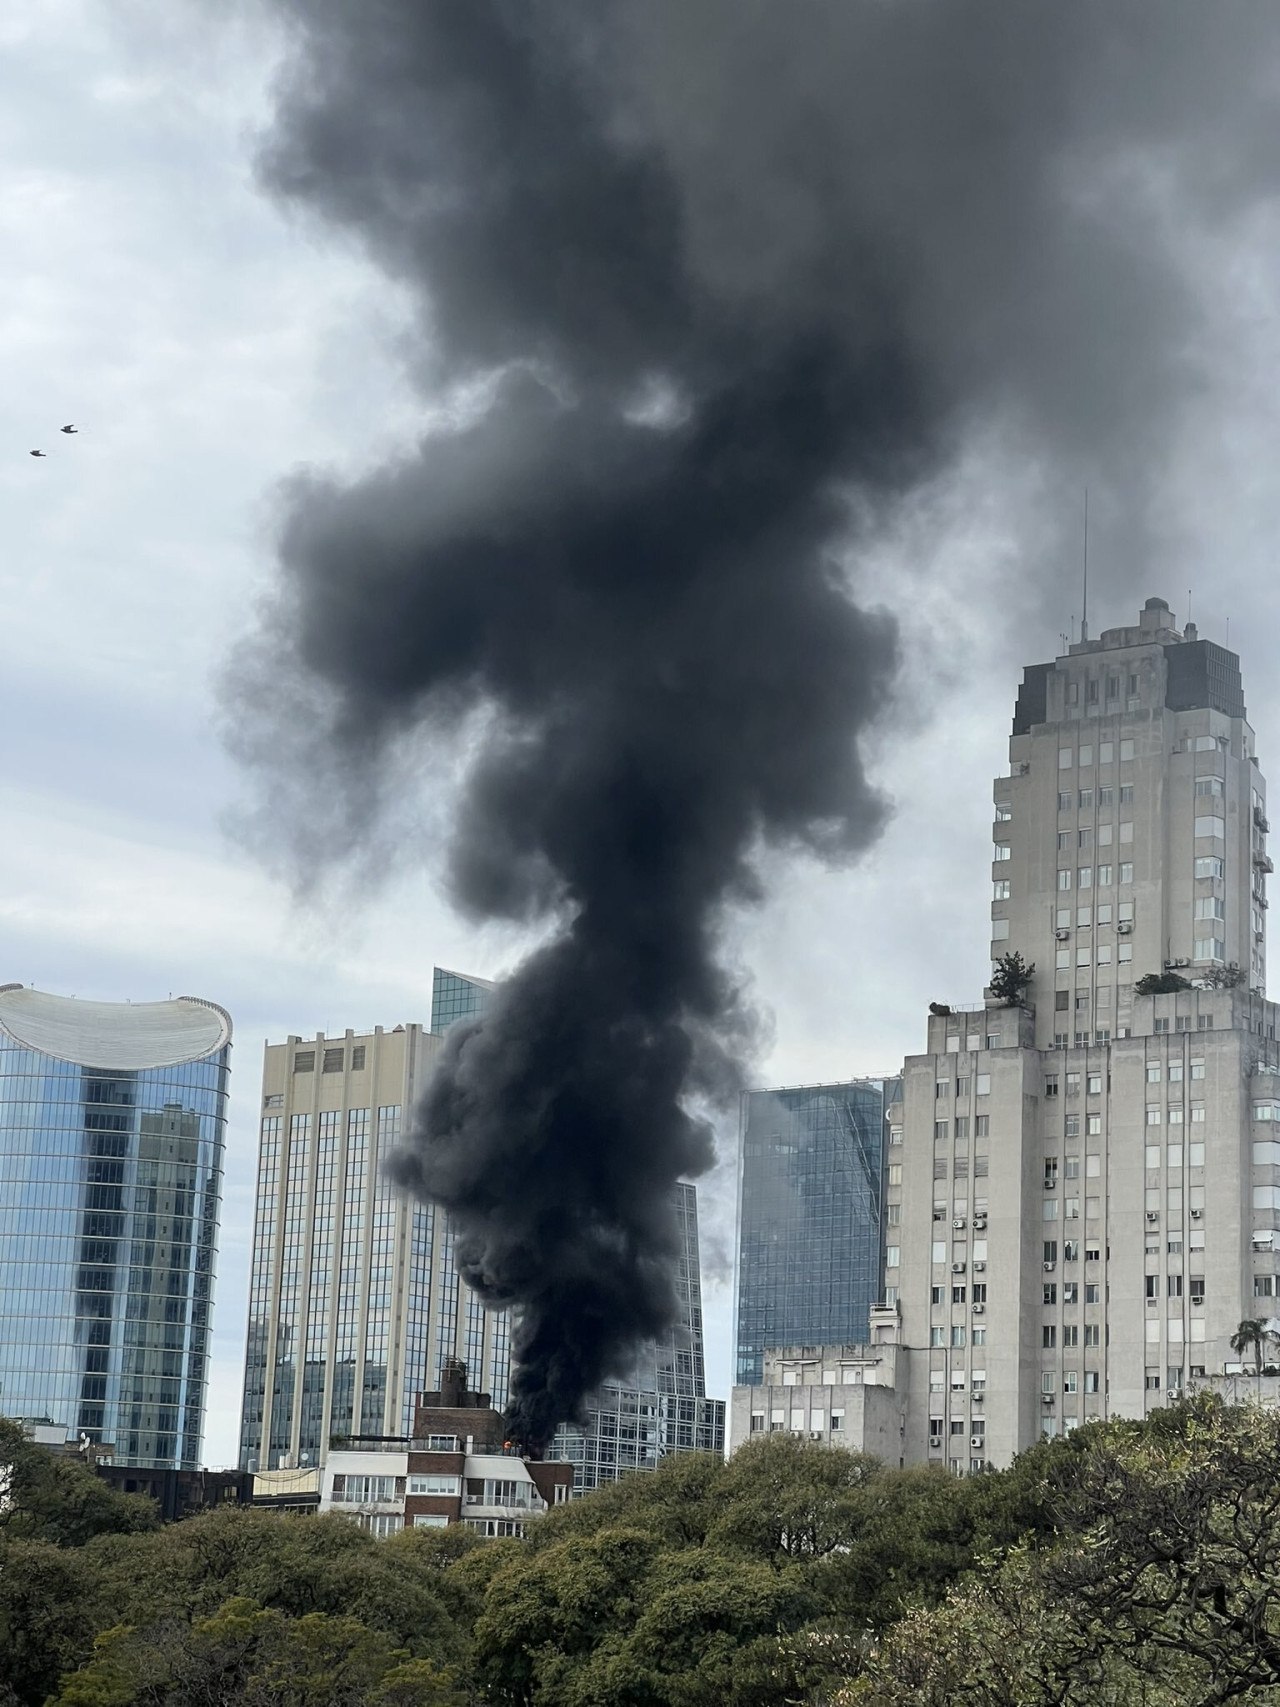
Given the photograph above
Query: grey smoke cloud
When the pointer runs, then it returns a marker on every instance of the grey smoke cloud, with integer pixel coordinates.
(738, 276)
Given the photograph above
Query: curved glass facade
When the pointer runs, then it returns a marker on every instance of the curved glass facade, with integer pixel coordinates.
(110, 1186)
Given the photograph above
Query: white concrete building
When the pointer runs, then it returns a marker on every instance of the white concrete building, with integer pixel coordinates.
(839, 1395)
(1083, 1194)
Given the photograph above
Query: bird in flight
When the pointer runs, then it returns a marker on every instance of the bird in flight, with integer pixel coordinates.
(38, 453)
(69, 428)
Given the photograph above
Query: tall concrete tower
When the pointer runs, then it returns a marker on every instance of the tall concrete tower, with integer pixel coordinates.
(1090, 1194)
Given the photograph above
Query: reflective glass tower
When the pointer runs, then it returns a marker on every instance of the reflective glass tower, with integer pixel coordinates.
(112, 1121)
(662, 1406)
(809, 1212)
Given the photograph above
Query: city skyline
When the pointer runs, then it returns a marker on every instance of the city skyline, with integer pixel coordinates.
(248, 351)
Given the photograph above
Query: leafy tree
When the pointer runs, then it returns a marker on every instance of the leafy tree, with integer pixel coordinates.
(1011, 978)
(1160, 984)
(255, 1657)
(47, 1620)
(54, 1496)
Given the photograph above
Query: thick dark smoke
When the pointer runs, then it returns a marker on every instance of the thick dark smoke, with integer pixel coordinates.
(720, 280)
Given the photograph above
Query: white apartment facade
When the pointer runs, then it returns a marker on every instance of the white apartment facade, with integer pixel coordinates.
(1083, 1194)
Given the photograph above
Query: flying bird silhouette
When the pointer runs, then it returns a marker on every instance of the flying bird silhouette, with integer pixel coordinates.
(69, 429)
(37, 453)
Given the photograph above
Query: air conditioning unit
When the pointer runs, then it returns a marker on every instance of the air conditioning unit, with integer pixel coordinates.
(1046, 1398)
(1196, 1214)
(1049, 1267)
(935, 1443)
(979, 1220)
(977, 1397)
(980, 1268)
(1153, 1214)
(1062, 935)
(957, 1268)
(815, 1434)
(1182, 963)
(958, 1223)
(977, 1440)
(979, 1309)
(1125, 927)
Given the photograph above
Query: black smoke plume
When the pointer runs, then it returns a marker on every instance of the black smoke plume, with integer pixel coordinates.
(712, 283)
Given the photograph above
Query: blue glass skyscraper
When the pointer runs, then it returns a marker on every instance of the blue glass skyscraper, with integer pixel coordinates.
(112, 1122)
(809, 1217)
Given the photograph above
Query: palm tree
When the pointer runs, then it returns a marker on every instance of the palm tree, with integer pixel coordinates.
(1250, 1335)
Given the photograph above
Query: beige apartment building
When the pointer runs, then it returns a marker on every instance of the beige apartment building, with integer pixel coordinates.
(354, 1300)
(1083, 1194)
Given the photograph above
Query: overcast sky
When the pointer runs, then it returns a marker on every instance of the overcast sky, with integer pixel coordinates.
(207, 347)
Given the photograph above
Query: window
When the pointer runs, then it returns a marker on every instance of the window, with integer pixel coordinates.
(442, 1443)
(1064, 880)
(1209, 786)
(334, 1060)
(983, 1086)
(957, 1337)
(1126, 748)
(939, 1253)
(1124, 912)
(893, 1256)
(1083, 958)
(1061, 1001)
(982, 1125)
(1104, 835)
(1211, 825)
(980, 1292)
(1094, 1086)
(1091, 692)
(1065, 758)
(1209, 948)
(1126, 872)
(1086, 755)
(1084, 877)
(357, 1058)
(1104, 911)
(1104, 796)
(1004, 812)
(1160, 1025)
(304, 1061)
(1152, 1381)
(1091, 1334)
(1073, 1126)
(1151, 1155)
(1105, 752)
(1197, 1070)
(1195, 1155)
(437, 1483)
(1000, 889)
(1065, 840)
(1093, 1125)
(1211, 867)
(1000, 851)
(1051, 1250)
(940, 1131)
(1050, 1292)
(1064, 802)
(957, 1295)
(1070, 1337)
(1048, 1337)
(962, 1127)
(1174, 1286)
(1210, 907)
(1049, 1209)
(962, 1085)
(1084, 838)
(1050, 1172)
(1206, 743)
(895, 1173)
(1155, 1117)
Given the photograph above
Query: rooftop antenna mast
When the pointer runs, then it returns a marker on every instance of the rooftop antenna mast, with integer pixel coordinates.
(1084, 608)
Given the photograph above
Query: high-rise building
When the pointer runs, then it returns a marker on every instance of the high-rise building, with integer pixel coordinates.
(354, 1299)
(662, 1405)
(1089, 1196)
(112, 1122)
(809, 1217)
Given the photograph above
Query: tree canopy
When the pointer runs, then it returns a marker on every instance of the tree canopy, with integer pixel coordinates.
(1128, 1563)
